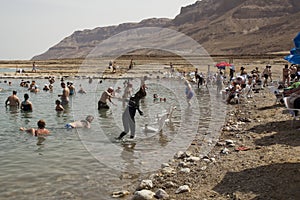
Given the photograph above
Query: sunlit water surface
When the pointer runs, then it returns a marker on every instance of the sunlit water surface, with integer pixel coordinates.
(88, 163)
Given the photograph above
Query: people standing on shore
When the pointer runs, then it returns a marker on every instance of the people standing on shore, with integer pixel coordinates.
(293, 72)
(286, 75)
(65, 94)
(243, 72)
(131, 64)
(231, 72)
(106, 96)
(188, 92)
(129, 113)
(219, 82)
(13, 100)
(267, 74)
(33, 67)
(199, 77)
(26, 105)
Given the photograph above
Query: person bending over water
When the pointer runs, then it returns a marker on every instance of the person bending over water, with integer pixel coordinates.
(129, 113)
(85, 123)
(106, 95)
(26, 105)
(40, 131)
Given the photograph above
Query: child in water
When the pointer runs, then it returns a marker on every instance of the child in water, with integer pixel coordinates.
(58, 107)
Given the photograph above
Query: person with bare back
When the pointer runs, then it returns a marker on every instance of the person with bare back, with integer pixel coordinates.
(13, 100)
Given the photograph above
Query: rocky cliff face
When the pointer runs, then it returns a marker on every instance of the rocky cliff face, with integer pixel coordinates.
(220, 26)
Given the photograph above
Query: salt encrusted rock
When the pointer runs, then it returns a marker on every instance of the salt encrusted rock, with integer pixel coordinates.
(228, 142)
(165, 165)
(120, 194)
(183, 164)
(213, 159)
(206, 159)
(143, 195)
(182, 189)
(145, 184)
(185, 170)
(169, 184)
(225, 151)
(203, 168)
(193, 159)
(221, 144)
(179, 155)
(168, 170)
(161, 194)
(188, 153)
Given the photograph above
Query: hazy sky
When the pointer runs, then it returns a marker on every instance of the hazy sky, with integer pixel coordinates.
(31, 27)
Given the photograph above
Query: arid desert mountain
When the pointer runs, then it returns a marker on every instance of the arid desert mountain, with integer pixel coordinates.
(222, 27)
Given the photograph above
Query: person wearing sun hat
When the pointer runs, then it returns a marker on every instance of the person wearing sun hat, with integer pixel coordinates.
(106, 95)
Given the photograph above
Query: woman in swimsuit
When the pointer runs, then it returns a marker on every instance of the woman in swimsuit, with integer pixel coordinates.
(26, 105)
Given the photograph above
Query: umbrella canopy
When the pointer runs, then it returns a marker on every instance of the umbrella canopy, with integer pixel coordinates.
(294, 57)
(223, 64)
(297, 41)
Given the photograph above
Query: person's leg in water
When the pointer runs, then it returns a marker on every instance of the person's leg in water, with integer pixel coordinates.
(128, 123)
(125, 120)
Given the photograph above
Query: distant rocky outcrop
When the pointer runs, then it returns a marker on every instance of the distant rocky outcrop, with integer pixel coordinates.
(220, 26)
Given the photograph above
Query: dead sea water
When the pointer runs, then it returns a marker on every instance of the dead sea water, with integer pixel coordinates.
(89, 163)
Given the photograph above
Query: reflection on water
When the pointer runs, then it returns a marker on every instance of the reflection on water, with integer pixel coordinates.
(89, 163)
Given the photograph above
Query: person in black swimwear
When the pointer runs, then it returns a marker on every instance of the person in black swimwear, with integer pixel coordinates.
(26, 105)
(129, 113)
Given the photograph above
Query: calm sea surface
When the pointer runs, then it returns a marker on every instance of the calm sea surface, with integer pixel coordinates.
(89, 163)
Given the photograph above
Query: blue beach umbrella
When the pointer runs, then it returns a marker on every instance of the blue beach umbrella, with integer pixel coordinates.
(294, 57)
(297, 41)
(295, 51)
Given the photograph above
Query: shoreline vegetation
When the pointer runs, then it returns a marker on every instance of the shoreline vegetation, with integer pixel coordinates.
(256, 157)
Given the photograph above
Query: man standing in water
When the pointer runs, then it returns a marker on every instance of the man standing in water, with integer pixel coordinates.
(65, 94)
(106, 95)
(129, 113)
(13, 100)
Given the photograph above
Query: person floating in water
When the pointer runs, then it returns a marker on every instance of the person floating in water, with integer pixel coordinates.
(40, 131)
(26, 105)
(106, 95)
(85, 123)
(129, 113)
